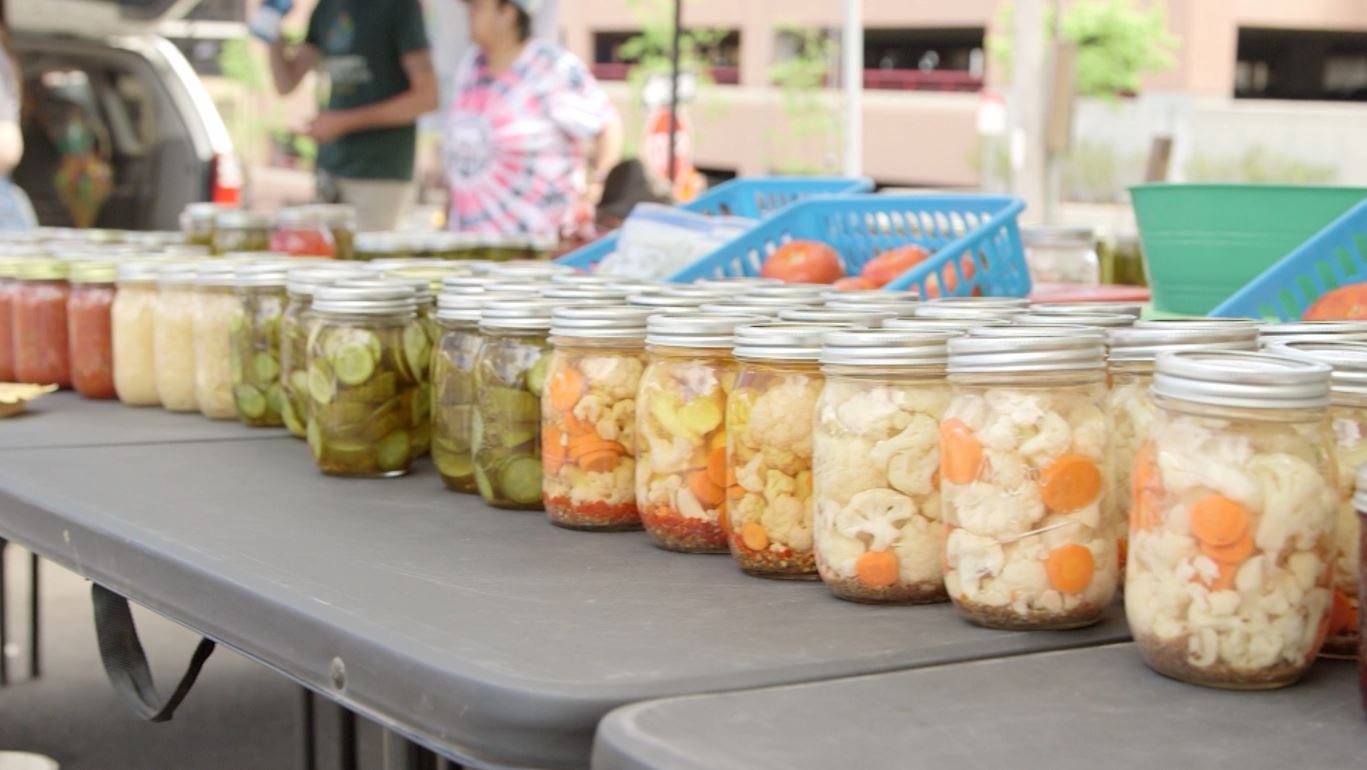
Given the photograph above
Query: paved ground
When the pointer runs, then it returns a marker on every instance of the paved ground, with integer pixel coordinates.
(240, 716)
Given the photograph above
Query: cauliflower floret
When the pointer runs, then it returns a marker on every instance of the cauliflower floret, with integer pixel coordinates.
(750, 475)
(619, 423)
(918, 548)
(786, 461)
(749, 508)
(911, 457)
(1049, 442)
(615, 377)
(874, 413)
(688, 506)
(782, 416)
(1007, 470)
(697, 380)
(1020, 407)
(788, 521)
(875, 516)
(972, 558)
(1191, 456)
(778, 484)
(1298, 503)
(1088, 424)
(614, 487)
(669, 454)
(987, 510)
(592, 407)
(842, 468)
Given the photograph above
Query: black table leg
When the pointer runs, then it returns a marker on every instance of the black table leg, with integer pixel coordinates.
(35, 666)
(402, 754)
(307, 725)
(347, 749)
(4, 623)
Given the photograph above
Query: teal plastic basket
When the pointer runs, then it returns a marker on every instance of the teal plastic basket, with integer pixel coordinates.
(1204, 242)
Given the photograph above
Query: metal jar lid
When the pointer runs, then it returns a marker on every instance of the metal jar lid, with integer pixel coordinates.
(433, 274)
(777, 301)
(300, 216)
(1103, 320)
(178, 273)
(522, 313)
(583, 294)
(980, 302)
(1320, 331)
(302, 281)
(1360, 499)
(378, 298)
(463, 281)
(185, 251)
(871, 296)
(238, 219)
(689, 292)
(782, 341)
(457, 305)
(1088, 308)
(421, 287)
(695, 330)
(41, 269)
(732, 308)
(1348, 360)
(93, 271)
(1146, 344)
(528, 269)
(138, 271)
(620, 322)
(589, 279)
(887, 347)
(268, 275)
(943, 324)
(966, 312)
(1196, 323)
(664, 301)
(1039, 352)
(216, 274)
(200, 213)
(800, 291)
(895, 309)
(867, 317)
(737, 282)
(1242, 380)
(1041, 330)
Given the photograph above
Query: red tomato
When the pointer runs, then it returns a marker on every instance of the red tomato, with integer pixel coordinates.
(1346, 303)
(855, 283)
(804, 262)
(886, 267)
(951, 278)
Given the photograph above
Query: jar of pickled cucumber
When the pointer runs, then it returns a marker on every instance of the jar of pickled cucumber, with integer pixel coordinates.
(197, 223)
(1312, 331)
(89, 332)
(364, 386)
(295, 324)
(417, 347)
(588, 416)
(340, 219)
(1031, 533)
(39, 321)
(238, 230)
(510, 375)
(213, 315)
(453, 383)
(1348, 410)
(258, 397)
(770, 416)
(132, 333)
(1232, 546)
(173, 338)
(878, 532)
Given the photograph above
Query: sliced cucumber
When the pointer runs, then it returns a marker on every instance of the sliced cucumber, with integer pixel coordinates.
(521, 480)
(250, 403)
(420, 439)
(454, 465)
(417, 349)
(422, 404)
(299, 381)
(354, 365)
(536, 376)
(237, 322)
(315, 438)
(291, 418)
(265, 368)
(382, 387)
(392, 453)
(321, 387)
(512, 405)
(275, 399)
(476, 431)
(234, 365)
(518, 434)
(482, 483)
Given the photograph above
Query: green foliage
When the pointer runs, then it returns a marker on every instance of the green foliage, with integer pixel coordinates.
(809, 122)
(1095, 172)
(240, 64)
(1258, 164)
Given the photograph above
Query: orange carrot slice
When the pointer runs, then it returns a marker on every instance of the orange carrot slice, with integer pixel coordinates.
(565, 389)
(716, 467)
(724, 520)
(961, 456)
(754, 536)
(1070, 568)
(1342, 615)
(735, 490)
(1233, 554)
(588, 444)
(1218, 521)
(1070, 483)
(575, 426)
(701, 486)
(877, 569)
(600, 462)
(1122, 548)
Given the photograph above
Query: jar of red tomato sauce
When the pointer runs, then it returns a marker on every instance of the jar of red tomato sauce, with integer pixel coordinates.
(9, 267)
(39, 317)
(303, 232)
(89, 332)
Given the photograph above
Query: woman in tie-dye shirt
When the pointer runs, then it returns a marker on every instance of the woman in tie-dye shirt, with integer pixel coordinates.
(523, 114)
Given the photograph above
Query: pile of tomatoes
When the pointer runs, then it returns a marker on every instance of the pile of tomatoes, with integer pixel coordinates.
(816, 262)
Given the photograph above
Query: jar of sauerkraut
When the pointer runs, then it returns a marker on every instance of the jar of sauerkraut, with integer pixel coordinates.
(770, 415)
(1031, 534)
(135, 374)
(258, 399)
(453, 383)
(40, 323)
(363, 386)
(214, 314)
(683, 484)
(1232, 545)
(173, 338)
(1348, 410)
(510, 375)
(877, 531)
(588, 416)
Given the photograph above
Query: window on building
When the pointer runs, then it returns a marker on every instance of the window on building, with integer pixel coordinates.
(609, 63)
(1294, 64)
(949, 59)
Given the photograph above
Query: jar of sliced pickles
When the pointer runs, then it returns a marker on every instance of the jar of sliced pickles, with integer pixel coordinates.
(453, 383)
(588, 416)
(1031, 534)
(363, 386)
(258, 398)
(770, 416)
(39, 318)
(510, 376)
(340, 220)
(417, 345)
(214, 314)
(197, 223)
(1232, 546)
(295, 325)
(89, 327)
(236, 230)
(1348, 410)
(878, 531)
(133, 333)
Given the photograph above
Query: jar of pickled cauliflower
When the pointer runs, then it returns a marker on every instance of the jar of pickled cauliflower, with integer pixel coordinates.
(215, 312)
(173, 337)
(877, 528)
(1031, 534)
(258, 399)
(417, 347)
(453, 383)
(510, 376)
(588, 417)
(89, 333)
(683, 486)
(133, 333)
(1232, 546)
(40, 323)
(770, 415)
(1348, 411)
(363, 387)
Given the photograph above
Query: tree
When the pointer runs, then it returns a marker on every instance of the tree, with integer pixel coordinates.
(802, 142)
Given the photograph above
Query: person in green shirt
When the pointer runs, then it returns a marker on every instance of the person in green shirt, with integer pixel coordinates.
(379, 68)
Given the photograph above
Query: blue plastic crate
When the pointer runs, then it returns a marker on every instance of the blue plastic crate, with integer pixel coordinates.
(957, 230)
(1336, 256)
(753, 197)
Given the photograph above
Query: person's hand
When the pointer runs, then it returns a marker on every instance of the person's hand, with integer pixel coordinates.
(328, 127)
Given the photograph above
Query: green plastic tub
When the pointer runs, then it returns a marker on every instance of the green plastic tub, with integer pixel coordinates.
(1203, 242)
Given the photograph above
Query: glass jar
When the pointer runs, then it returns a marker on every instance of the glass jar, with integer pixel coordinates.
(588, 418)
(89, 328)
(363, 386)
(1088, 308)
(1360, 503)
(770, 413)
(216, 311)
(197, 223)
(295, 325)
(859, 318)
(340, 220)
(453, 385)
(173, 337)
(40, 323)
(9, 284)
(1312, 331)
(1097, 320)
(301, 231)
(1031, 533)
(238, 230)
(417, 347)
(877, 531)
(689, 361)
(258, 399)
(135, 374)
(1062, 255)
(505, 435)
(1232, 538)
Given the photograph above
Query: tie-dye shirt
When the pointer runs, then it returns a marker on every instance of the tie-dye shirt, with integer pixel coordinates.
(514, 143)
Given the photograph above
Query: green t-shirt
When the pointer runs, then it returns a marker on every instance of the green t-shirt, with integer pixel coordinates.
(363, 43)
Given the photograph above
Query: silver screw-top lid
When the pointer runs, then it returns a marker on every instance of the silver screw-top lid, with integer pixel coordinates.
(1103, 320)
(302, 281)
(421, 287)
(807, 292)
(531, 287)
(980, 302)
(781, 341)
(695, 330)
(870, 296)
(1087, 308)
(1027, 349)
(201, 213)
(666, 301)
(1360, 499)
(177, 273)
(263, 275)
(1348, 360)
(375, 298)
(741, 283)
(462, 281)
(867, 318)
(778, 301)
(569, 293)
(1196, 323)
(514, 314)
(887, 347)
(589, 279)
(524, 269)
(138, 271)
(239, 219)
(1318, 331)
(185, 251)
(385, 264)
(1147, 344)
(618, 322)
(731, 308)
(466, 304)
(966, 312)
(705, 293)
(896, 309)
(942, 324)
(216, 273)
(1242, 380)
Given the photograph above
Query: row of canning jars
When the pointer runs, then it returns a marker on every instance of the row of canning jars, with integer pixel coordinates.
(319, 230)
